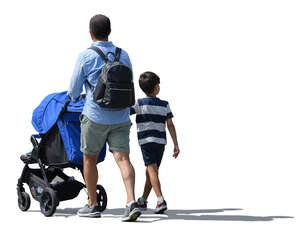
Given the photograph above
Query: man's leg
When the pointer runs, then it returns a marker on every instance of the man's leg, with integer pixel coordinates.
(127, 172)
(132, 211)
(92, 139)
(118, 140)
(91, 176)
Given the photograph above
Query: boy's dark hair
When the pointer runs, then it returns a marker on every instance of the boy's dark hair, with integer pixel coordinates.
(100, 26)
(148, 80)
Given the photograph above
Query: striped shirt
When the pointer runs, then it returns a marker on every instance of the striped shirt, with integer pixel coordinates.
(151, 115)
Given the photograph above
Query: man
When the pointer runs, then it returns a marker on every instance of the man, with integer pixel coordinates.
(100, 125)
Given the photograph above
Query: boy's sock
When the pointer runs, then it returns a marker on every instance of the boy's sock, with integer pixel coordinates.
(130, 203)
(160, 199)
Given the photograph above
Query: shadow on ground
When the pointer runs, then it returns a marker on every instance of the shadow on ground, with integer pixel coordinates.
(180, 214)
(196, 215)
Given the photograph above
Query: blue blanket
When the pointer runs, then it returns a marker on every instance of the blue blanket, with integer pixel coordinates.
(46, 115)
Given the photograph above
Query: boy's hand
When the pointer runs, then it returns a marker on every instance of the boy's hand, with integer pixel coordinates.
(176, 151)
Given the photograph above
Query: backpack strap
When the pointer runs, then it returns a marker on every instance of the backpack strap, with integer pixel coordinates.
(102, 55)
(117, 54)
(91, 86)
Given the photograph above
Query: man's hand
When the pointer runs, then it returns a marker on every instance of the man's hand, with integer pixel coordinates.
(176, 151)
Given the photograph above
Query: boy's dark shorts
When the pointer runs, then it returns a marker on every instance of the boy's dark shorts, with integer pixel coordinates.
(152, 153)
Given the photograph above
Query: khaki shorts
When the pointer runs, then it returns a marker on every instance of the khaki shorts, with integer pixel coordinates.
(93, 136)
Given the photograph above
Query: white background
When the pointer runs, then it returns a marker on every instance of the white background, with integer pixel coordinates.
(230, 71)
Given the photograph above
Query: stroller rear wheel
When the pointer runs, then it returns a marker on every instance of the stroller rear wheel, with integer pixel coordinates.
(101, 197)
(23, 201)
(48, 202)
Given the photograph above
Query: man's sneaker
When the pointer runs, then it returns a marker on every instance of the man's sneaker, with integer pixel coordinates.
(142, 204)
(161, 207)
(131, 213)
(89, 211)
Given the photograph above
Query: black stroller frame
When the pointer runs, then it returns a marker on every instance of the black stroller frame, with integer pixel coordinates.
(48, 184)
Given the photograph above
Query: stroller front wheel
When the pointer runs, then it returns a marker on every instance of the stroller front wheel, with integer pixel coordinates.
(24, 201)
(48, 202)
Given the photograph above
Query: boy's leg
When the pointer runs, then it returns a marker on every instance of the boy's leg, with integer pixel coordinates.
(147, 187)
(153, 176)
(156, 151)
(152, 155)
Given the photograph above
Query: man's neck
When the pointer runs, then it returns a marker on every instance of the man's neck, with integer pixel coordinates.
(104, 40)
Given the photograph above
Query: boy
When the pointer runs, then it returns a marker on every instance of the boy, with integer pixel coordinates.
(152, 115)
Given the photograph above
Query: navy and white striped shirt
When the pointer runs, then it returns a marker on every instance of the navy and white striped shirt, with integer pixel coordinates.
(151, 115)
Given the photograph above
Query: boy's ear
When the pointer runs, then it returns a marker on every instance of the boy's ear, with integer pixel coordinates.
(157, 88)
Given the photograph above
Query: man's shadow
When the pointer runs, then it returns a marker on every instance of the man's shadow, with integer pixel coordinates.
(178, 214)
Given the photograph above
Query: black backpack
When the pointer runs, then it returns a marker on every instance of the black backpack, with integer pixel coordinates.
(115, 85)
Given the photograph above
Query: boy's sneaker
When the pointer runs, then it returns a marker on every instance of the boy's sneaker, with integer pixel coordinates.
(89, 211)
(161, 207)
(131, 213)
(142, 204)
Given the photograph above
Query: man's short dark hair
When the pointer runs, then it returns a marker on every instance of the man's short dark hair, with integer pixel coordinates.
(148, 80)
(100, 26)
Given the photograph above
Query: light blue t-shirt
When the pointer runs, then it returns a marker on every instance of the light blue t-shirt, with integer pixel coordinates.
(88, 67)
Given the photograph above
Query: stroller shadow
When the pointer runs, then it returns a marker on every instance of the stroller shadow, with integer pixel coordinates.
(194, 215)
(66, 212)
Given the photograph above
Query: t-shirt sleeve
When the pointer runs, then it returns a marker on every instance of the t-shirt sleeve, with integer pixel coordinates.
(169, 112)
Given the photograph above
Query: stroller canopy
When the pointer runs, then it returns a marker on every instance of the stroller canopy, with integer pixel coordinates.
(60, 129)
(47, 113)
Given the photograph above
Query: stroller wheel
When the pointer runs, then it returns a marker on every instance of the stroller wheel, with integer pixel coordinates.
(48, 202)
(101, 197)
(24, 201)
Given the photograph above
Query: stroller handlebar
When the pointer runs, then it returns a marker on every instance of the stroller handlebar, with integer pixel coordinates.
(63, 110)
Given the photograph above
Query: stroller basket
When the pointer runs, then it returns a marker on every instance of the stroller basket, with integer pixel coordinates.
(65, 189)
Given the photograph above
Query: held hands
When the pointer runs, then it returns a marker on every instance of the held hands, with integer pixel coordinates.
(176, 151)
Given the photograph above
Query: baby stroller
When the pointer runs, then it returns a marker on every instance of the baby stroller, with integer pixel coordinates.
(57, 146)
